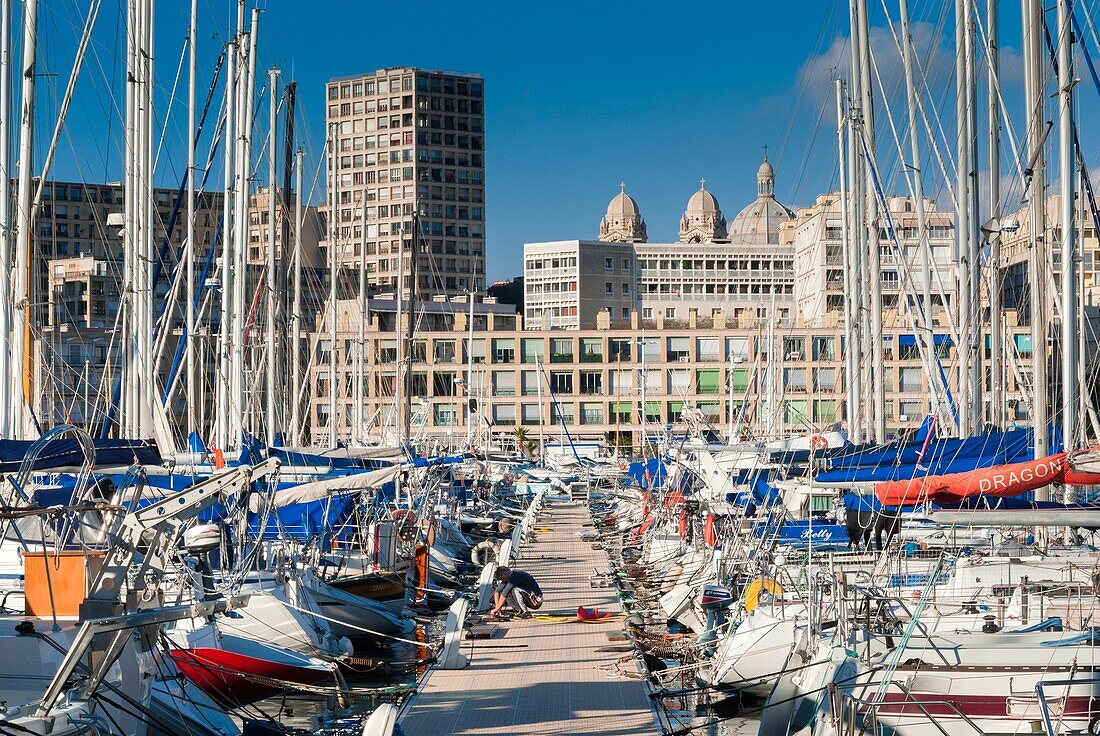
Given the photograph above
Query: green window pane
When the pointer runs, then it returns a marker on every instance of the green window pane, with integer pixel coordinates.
(740, 379)
(795, 412)
(708, 381)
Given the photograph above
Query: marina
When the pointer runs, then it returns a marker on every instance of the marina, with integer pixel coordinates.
(551, 674)
(278, 457)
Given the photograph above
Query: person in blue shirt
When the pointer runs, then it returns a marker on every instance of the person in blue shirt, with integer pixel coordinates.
(517, 588)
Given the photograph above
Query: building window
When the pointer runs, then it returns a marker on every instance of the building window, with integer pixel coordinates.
(591, 413)
(561, 350)
(444, 351)
(670, 312)
(618, 348)
(534, 349)
(504, 383)
(824, 348)
(591, 350)
(592, 383)
(708, 348)
(446, 415)
(824, 379)
(607, 288)
(679, 349)
(561, 382)
(608, 264)
(504, 350)
(443, 384)
(504, 414)
(708, 381)
(531, 414)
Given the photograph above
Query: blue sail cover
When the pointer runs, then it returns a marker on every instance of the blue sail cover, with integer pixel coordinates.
(297, 457)
(760, 492)
(649, 473)
(937, 457)
(67, 453)
(304, 521)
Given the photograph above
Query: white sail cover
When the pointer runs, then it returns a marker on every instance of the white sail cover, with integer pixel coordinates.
(323, 488)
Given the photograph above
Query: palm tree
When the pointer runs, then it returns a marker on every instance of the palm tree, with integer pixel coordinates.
(523, 441)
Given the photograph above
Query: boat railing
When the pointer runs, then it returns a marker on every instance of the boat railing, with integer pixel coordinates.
(1044, 707)
(872, 707)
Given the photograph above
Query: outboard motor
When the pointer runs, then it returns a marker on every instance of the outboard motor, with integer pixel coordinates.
(199, 541)
(715, 602)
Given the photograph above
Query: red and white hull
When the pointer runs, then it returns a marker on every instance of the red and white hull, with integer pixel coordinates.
(238, 671)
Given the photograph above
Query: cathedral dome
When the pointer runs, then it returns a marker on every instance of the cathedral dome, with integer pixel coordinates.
(702, 221)
(623, 221)
(622, 205)
(759, 222)
(703, 202)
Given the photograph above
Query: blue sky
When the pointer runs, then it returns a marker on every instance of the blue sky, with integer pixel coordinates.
(579, 95)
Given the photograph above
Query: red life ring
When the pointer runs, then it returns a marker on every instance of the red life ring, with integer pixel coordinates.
(818, 443)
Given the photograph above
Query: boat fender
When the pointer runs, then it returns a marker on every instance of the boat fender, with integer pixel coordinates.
(451, 657)
(483, 553)
(485, 587)
(345, 646)
(382, 722)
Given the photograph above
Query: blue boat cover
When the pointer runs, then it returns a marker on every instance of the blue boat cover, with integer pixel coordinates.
(67, 453)
(649, 473)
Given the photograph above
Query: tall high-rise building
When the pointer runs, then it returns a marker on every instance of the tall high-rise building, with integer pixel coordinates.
(409, 145)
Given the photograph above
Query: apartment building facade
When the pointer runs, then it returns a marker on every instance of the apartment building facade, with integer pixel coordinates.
(618, 384)
(407, 149)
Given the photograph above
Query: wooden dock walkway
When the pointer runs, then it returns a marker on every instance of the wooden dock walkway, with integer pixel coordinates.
(542, 678)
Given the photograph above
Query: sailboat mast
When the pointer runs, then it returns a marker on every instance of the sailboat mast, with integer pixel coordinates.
(296, 308)
(996, 318)
(1067, 172)
(1032, 15)
(333, 239)
(470, 374)
(20, 359)
(361, 341)
(851, 360)
(193, 397)
(414, 246)
(5, 215)
(855, 278)
(272, 348)
(962, 215)
(871, 217)
(245, 107)
(912, 101)
(399, 333)
(977, 384)
(227, 260)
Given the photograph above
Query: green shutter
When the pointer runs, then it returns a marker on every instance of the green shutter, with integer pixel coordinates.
(824, 410)
(795, 412)
(740, 379)
(708, 381)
